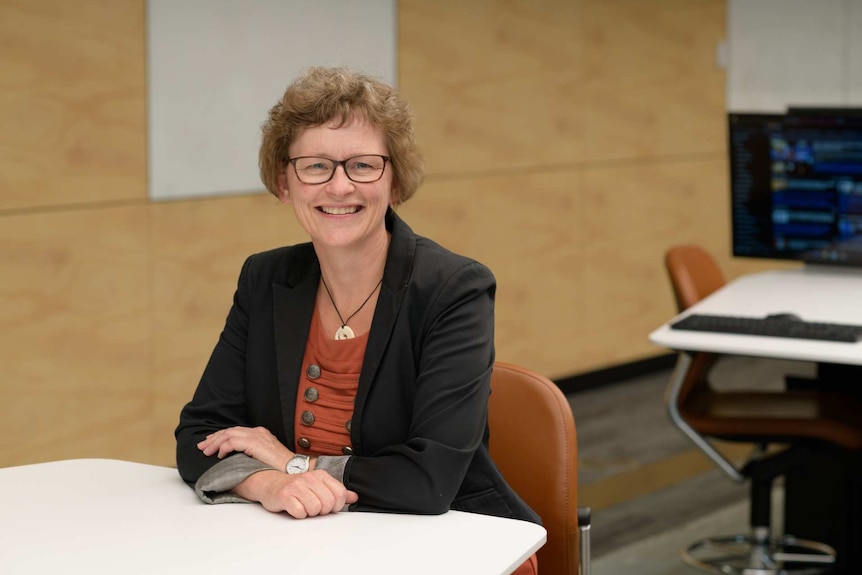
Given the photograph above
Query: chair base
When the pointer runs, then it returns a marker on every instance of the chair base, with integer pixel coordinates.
(753, 555)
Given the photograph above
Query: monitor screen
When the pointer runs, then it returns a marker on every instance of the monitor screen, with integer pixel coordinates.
(796, 185)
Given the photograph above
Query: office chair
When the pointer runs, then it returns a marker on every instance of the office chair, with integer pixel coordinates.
(533, 442)
(798, 420)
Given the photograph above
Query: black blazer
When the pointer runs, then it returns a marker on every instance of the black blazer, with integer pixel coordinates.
(419, 428)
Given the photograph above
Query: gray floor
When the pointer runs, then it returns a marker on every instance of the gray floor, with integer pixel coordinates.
(624, 426)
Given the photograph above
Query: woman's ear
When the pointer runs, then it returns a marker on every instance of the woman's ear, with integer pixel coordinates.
(283, 191)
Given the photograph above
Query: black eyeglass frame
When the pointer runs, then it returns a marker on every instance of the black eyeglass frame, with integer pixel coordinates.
(343, 164)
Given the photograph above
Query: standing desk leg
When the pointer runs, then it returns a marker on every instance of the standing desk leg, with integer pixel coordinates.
(823, 499)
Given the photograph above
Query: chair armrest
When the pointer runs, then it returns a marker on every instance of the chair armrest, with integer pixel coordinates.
(584, 516)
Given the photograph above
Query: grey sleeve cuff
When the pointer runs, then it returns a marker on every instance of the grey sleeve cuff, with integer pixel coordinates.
(215, 485)
(333, 465)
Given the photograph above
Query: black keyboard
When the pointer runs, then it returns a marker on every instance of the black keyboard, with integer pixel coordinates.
(771, 326)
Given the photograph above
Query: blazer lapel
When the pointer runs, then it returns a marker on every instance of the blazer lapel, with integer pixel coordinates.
(396, 274)
(293, 307)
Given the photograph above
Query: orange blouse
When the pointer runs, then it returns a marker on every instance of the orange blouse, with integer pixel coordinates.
(326, 393)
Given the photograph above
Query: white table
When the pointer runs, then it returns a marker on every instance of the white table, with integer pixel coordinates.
(98, 516)
(815, 293)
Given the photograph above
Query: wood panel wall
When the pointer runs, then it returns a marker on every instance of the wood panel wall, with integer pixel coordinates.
(569, 143)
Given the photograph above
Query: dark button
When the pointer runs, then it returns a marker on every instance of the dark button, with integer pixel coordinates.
(311, 394)
(347, 450)
(313, 371)
(304, 442)
(347, 425)
(307, 417)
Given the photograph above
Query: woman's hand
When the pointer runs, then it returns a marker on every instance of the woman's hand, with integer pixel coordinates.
(256, 442)
(302, 495)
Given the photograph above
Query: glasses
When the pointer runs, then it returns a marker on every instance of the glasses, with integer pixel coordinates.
(360, 169)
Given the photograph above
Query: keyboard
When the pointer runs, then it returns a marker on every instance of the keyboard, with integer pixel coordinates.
(772, 327)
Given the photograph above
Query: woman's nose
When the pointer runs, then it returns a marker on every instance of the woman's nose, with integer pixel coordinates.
(340, 183)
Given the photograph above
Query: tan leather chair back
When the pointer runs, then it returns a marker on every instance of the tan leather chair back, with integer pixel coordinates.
(694, 274)
(533, 442)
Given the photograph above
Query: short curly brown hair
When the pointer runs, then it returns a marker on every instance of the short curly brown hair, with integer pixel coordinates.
(324, 94)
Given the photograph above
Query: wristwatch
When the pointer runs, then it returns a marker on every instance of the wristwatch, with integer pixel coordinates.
(297, 464)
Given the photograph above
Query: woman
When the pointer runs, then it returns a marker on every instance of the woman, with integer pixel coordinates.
(353, 371)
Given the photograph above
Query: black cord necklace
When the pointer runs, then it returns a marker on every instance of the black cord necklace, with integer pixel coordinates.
(344, 332)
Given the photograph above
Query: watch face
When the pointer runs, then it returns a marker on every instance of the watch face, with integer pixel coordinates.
(298, 464)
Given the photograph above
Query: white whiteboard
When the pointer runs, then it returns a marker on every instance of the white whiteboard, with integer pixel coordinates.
(216, 67)
(794, 53)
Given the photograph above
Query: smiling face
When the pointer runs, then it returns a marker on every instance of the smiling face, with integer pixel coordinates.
(340, 212)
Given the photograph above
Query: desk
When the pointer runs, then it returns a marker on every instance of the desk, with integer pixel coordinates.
(814, 293)
(98, 516)
(828, 295)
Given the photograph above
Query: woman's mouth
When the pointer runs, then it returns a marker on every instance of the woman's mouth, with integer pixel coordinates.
(336, 211)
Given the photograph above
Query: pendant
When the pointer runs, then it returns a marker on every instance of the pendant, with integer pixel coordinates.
(344, 332)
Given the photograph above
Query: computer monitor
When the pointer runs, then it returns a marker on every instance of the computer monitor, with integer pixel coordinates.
(796, 185)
